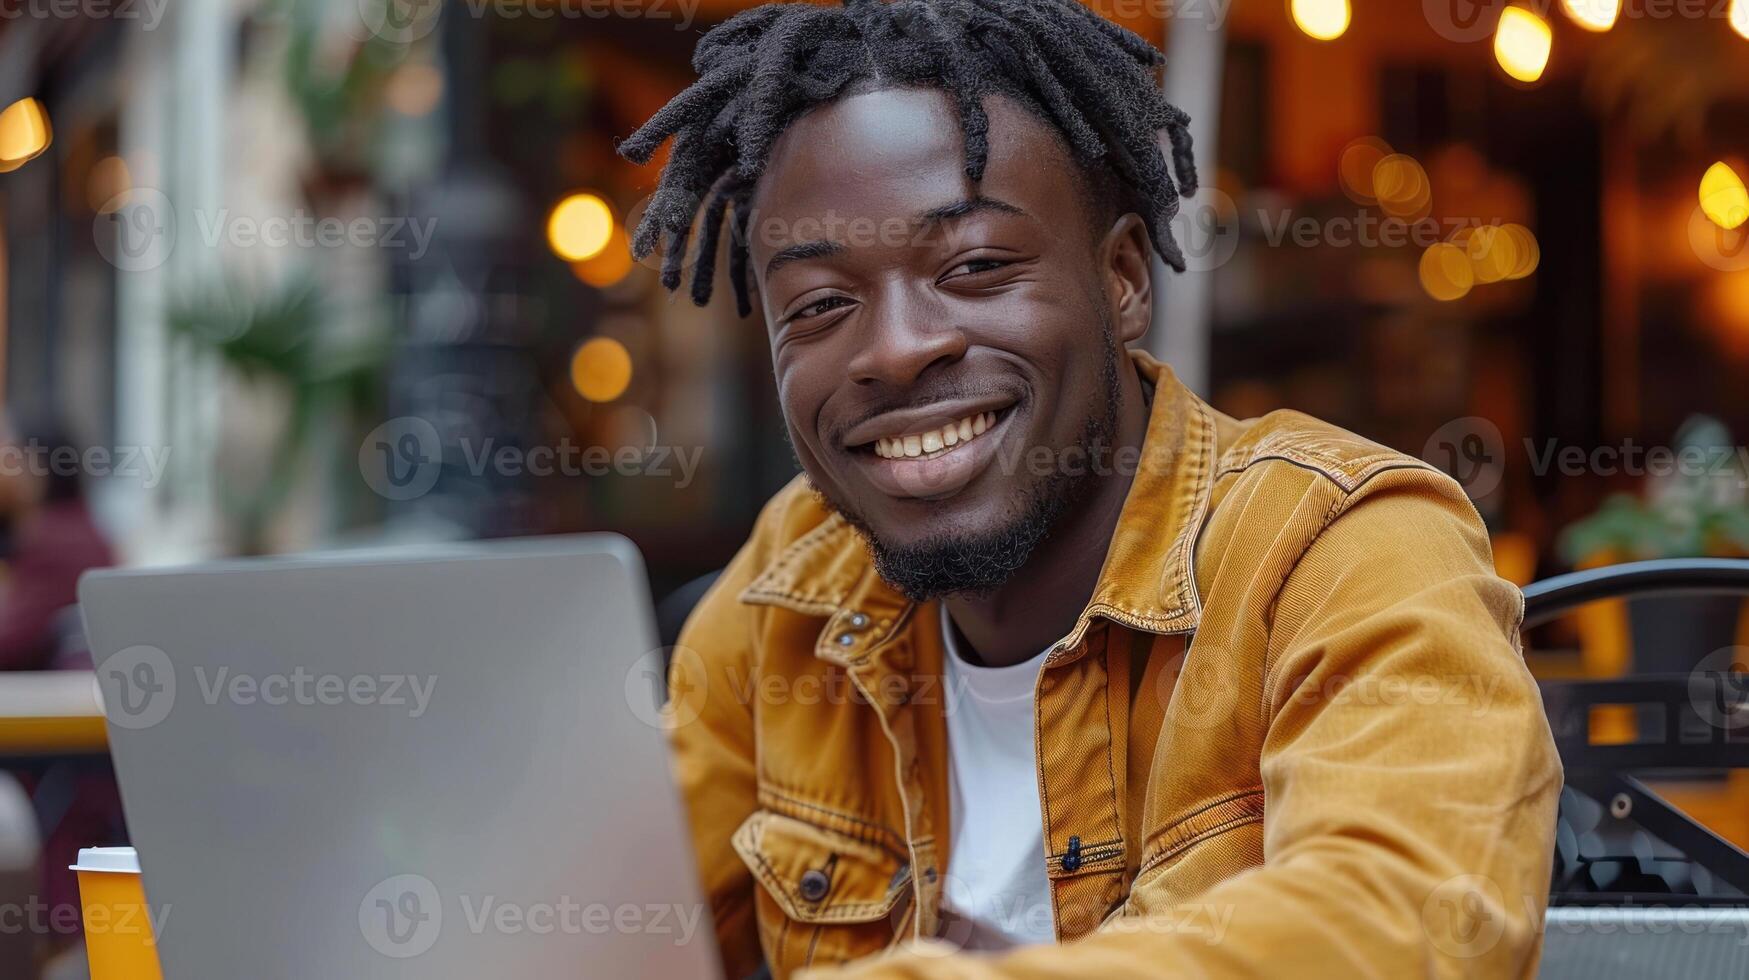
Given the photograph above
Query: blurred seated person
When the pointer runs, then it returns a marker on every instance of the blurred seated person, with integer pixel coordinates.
(49, 539)
(48, 542)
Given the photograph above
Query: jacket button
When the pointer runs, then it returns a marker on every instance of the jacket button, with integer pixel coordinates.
(815, 885)
(858, 621)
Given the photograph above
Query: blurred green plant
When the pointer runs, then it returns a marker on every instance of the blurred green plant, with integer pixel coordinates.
(275, 339)
(1685, 514)
(337, 83)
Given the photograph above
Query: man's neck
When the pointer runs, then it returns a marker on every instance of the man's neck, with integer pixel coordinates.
(1041, 603)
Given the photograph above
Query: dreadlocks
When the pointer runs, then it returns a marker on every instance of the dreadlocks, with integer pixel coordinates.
(763, 67)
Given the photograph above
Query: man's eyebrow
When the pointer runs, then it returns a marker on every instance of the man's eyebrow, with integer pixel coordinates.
(800, 251)
(946, 212)
(961, 209)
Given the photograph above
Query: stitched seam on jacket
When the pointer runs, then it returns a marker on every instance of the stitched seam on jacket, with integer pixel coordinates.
(1245, 808)
(769, 877)
(855, 827)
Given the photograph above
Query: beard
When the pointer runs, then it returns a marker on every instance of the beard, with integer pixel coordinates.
(977, 561)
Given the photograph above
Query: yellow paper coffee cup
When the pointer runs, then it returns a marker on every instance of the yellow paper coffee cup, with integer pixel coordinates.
(119, 943)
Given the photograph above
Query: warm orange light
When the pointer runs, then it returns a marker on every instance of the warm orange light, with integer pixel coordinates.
(1402, 188)
(1739, 17)
(580, 227)
(1493, 256)
(1593, 15)
(107, 186)
(601, 369)
(1321, 20)
(1356, 166)
(1723, 197)
(1522, 41)
(1445, 272)
(609, 267)
(24, 133)
(1525, 249)
(1728, 302)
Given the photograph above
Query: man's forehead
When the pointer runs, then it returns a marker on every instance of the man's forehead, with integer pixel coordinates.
(898, 155)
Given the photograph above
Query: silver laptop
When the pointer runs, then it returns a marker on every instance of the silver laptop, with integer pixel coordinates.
(429, 765)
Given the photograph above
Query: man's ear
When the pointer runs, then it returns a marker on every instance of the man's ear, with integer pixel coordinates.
(1126, 262)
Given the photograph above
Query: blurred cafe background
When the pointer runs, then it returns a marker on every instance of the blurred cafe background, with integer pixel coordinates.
(289, 275)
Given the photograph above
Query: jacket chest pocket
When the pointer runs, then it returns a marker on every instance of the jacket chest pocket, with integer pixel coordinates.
(824, 897)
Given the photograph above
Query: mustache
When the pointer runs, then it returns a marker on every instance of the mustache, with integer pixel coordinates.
(923, 396)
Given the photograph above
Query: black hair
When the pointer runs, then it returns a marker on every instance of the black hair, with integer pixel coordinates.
(50, 437)
(1092, 79)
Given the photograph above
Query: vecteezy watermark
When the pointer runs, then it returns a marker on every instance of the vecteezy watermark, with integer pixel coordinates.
(33, 458)
(137, 230)
(1464, 916)
(149, 13)
(402, 459)
(681, 12)
(1468, 21)
(409, 692)
(1473, 452)
(1206, 228)
(400, 21)
(1631, 918)
(1725, 249)
(138, 687)
(406, 21)
(1363, 229)
(1718, 688)
(1209, 14)
(35, 917)
(403, 917)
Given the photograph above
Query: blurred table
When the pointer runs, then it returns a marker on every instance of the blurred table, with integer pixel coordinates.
(50, 713)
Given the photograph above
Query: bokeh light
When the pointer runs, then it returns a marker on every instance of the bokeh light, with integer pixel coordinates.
(1356, 165)
(580, 227)
(1522, 41)
(1445, 272)
(107, 186)
(611, 266)
(1739, 17)
(1402, 188)
(1525, 248)
(24, 133)
(1593, 15)
(1323, 20)
(601, 369)
(1723, 197)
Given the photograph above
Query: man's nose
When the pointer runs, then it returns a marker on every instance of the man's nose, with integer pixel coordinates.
(906, 335)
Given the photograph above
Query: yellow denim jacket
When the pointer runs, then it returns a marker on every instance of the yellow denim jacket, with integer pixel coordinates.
(1292, 733)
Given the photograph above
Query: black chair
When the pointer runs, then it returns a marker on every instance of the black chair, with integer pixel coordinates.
(1631, 871)
(1639, 888)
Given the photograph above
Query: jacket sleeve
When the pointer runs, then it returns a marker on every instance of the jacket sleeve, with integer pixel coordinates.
(1410, 778)
(711, 733)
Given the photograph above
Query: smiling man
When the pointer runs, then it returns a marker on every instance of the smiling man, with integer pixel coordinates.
(1043, 667)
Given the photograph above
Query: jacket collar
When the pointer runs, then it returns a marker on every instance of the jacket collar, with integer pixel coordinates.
(1147, 582)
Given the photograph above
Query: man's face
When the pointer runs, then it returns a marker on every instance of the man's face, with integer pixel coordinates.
(939, 344)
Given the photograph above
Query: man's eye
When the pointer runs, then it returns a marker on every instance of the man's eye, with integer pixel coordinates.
(972, 267)
(824, 306)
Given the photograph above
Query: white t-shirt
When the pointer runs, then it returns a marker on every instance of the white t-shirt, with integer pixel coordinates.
(996, 894)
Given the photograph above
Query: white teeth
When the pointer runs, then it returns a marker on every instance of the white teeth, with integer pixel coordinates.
(935, 440)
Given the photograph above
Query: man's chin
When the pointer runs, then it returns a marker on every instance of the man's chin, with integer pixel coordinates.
(952, 556)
